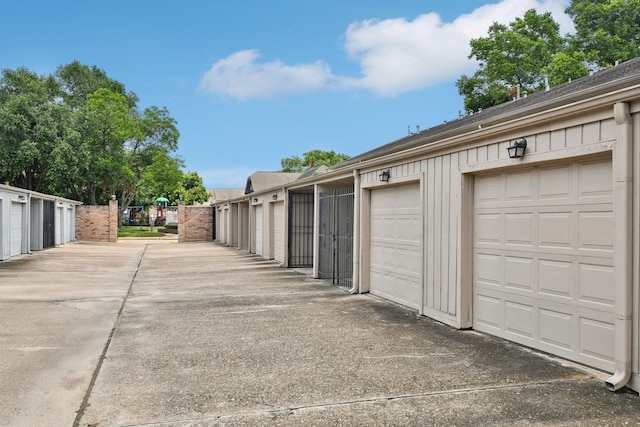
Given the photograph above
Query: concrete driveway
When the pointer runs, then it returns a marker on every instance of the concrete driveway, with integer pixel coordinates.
(144, 333)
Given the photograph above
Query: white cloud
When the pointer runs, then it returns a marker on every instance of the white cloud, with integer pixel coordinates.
(242, 77)
(395, 55)
(398, 56)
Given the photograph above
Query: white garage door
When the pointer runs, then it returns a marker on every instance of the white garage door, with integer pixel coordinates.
(259, 230)
(396, 245)
(543, 259)
(278, 231)
(69, 226)
(16, 229)
(60, 226)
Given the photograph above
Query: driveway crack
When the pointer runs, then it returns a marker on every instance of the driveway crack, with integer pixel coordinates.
(103, 355)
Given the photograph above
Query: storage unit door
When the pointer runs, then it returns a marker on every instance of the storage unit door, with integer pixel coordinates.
(396, 245)
(68, 228)
(48, 224)
(259, 230)
(59, 226)
(278, 231)
(543, 259)
(16, 229)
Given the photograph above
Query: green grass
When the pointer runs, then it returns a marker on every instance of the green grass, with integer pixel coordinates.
(139, 231)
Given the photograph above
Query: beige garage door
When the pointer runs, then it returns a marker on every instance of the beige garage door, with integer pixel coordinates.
(259, 230)
(278, 231)
(396, 245)
(16, 229)
(543, 259)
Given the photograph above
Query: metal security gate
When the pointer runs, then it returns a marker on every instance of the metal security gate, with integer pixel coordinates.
(48, 224)
(336, 236)
(300, 229)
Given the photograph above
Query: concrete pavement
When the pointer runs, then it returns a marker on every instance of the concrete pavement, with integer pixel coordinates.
(157, 333)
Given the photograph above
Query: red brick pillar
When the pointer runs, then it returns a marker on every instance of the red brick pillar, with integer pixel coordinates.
(182, 229)
(113, 220)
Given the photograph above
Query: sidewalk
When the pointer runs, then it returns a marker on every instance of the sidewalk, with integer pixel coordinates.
(197, 334)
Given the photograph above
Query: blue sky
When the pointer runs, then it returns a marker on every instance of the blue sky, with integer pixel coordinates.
(253, 81)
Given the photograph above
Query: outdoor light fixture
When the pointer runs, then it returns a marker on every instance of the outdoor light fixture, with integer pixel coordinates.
(113, 197)
(385, 175)
(255, 200)
(21, 197)
(275, 196)
(516, 150)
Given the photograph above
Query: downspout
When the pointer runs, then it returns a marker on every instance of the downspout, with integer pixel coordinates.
(356, 232)
(622, 166)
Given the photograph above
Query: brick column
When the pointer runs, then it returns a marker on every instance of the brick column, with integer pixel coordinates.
(113, 220)
(182, 229)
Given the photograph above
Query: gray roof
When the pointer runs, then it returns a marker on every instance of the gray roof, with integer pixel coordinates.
(216, 194)
(263, 180)
(601, 81)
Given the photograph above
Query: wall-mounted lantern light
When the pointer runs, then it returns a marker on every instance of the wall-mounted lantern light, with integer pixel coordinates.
(516, 150)
(255, 200)
(21, 196)
(275, 196)
(385, 175)
(113, 197)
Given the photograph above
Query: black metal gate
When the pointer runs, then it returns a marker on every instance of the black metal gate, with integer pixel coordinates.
(336, 236)
(48, 224)
(300, 229)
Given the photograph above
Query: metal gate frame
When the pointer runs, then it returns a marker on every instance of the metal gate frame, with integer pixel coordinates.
(301, 229)
(335, 259)
(48, 224)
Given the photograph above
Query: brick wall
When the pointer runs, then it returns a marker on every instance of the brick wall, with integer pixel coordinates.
(195, 223)
(97, 223)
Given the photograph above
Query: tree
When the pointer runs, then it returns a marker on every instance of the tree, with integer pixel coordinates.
(526, 54)
(32, 123)
(161, 178)
(114, 142)
(191, 189)
(310, 159)
(606, 30)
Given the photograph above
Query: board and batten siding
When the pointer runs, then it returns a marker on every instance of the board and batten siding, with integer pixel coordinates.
(448, 186)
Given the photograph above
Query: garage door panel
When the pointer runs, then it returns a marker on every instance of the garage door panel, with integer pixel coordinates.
(259, 230)
(519, 273)
(549, 282)
(595, 230)
(595, 285)
(556, 278)
(519, 228)
(396, 245)
(556, 329)
(594, 179)
(555, 183)
(488, 310)
(596, 339)
(520, 320)
(555, 229)
(16, 225)
(278, 231)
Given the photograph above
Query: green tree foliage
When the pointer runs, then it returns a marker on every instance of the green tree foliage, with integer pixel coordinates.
(311, 159)
(33, 122)
(606, 30)
(518, 56)
(191, 189)
(530, 49)
(80, 134)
